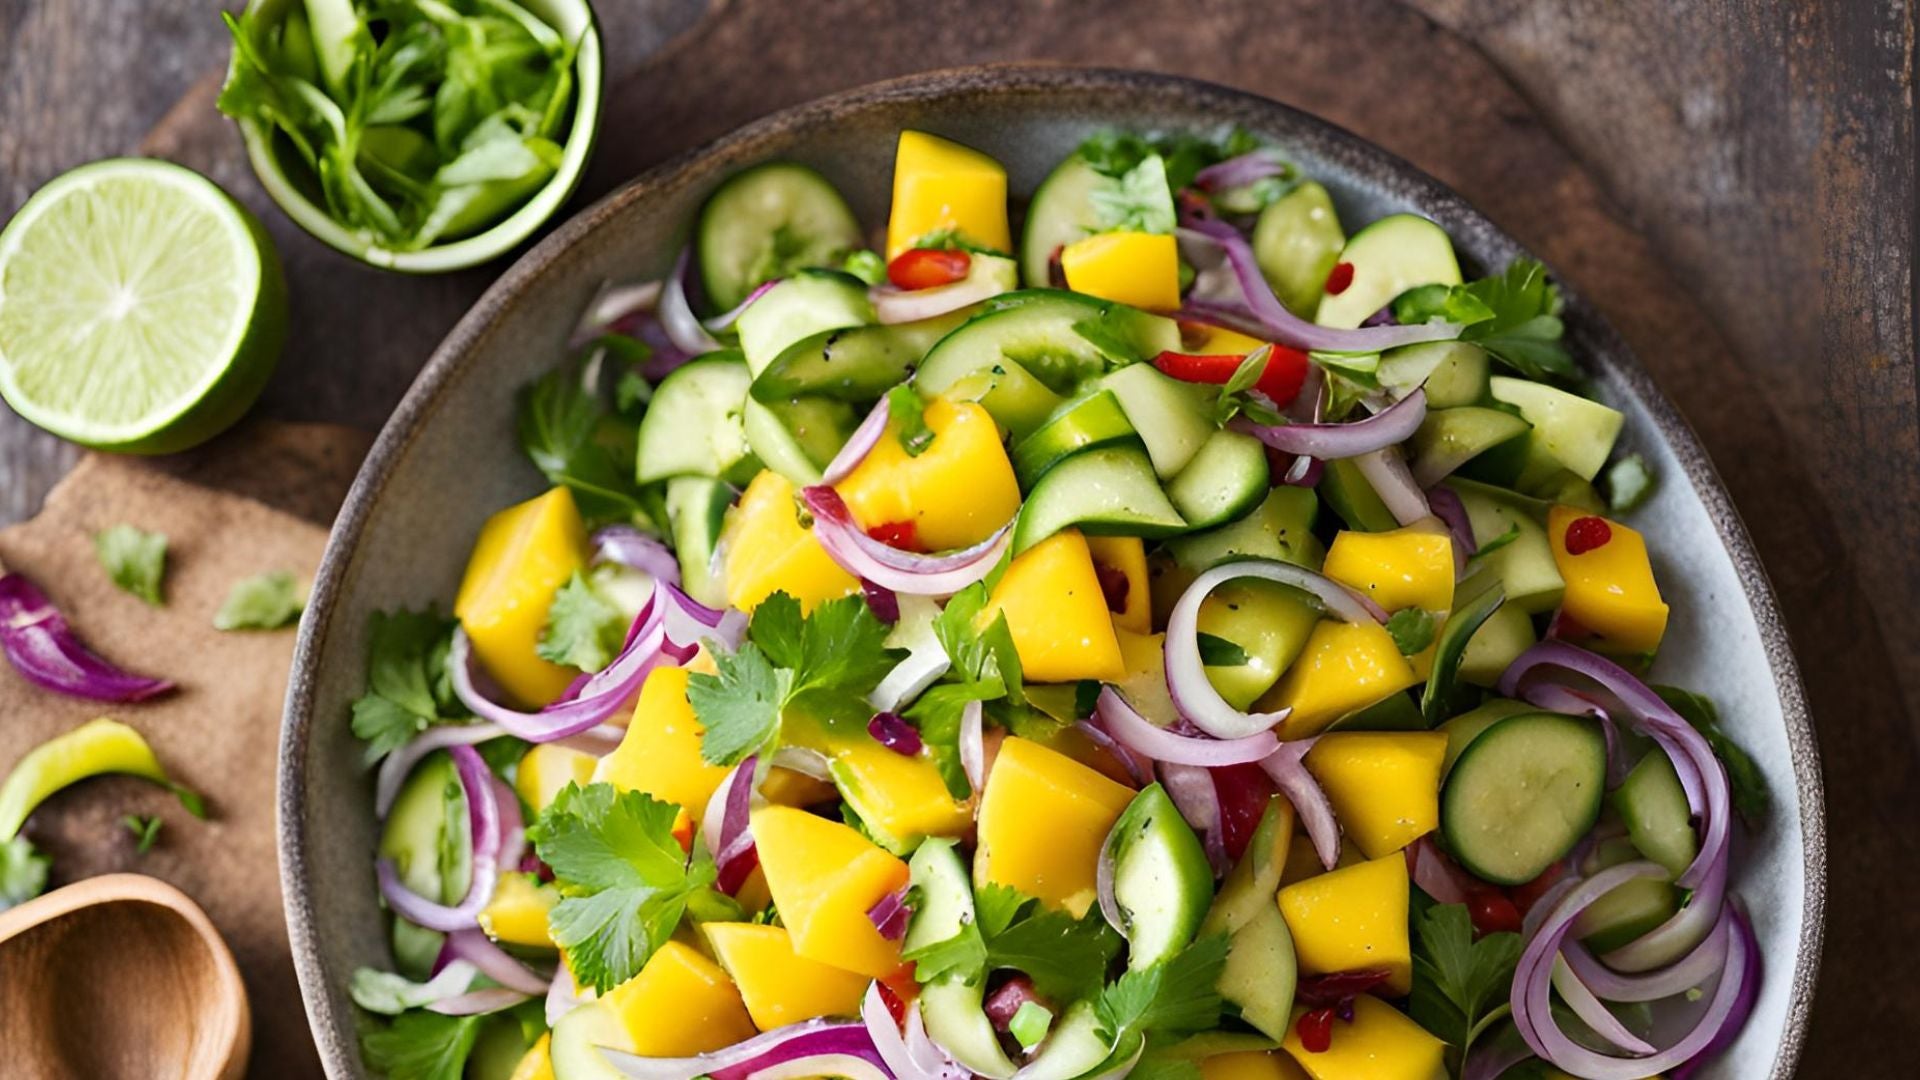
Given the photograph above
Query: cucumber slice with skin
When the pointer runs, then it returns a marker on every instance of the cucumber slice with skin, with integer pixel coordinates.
(1353, 498)
(798, 438)
(1451, 646)
(1107, 492)
(1629, 909)
(1224, 480)
(1524, 565)
(1269, 622)
(1061, 211)
(798, 308)
(1470, 725)
(945, 890)
(958, 1023)
(858, 365)
(766, 222)
(1577, 433)
(1093, 421)
(1449, 438)
(1297, 241)
(1250, 886)
(1654, 806)
(1506, 634)
(1453, 373)
(1073, 1049)
(416, 838)
(577, 1039)
(1016, 400)
(696, 506)
(1280, 528)
(951, 1008)
(1060, 338)
(1171, 416)
(1162, 882)
(1395, 712)
(1523, 794)
(1261, 973)
(1388, 257)
(693, 425)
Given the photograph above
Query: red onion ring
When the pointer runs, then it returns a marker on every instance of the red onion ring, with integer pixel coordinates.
(45, 650)
(859, 444)
(973, 745)
(1689, 973)
(676, 312)
(1386, 472)
(612, 304)
(1236, 172)
(475, 947)
(476, 1002)
(1197, 797)
(890, 913)
(1387, 428)
(564, 995)
(397, 766)
(1749, 993)
(1103, 888)
(893, 306)
(483, 815)
(909, 678)
(1146, 738)
(1288, 768)
(1138, 765)
(902, 571)
(813, 1047)
(629, 547)
(1193, 692)
(1259, 309)
(724, 321)
(1446, 506)
(1435, 874)
(803, 760)
(1593, 1012)
(912, 1057)
(726, 828)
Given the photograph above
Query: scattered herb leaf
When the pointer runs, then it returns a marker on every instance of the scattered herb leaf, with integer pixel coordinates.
(145, 830)
(909, 415)
(1216, 651)
(421, 1045)
(135, 559)
(266, 601)
(23, 872)
(1460, 985)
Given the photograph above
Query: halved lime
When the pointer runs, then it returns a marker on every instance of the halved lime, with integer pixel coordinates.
(141, 308)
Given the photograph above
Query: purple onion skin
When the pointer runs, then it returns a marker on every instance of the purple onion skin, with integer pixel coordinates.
(45, 650)
(894, 733)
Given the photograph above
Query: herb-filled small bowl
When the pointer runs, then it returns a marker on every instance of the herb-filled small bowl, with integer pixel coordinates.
(421, 136)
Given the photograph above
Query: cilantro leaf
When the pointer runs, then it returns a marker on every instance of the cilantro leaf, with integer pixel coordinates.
(23, 872)
(909, 414)
(567, 431)
(1067, 958)
(584, 629)
(406, 677)
(1138, 201)
(262, 602)
(135, 559)
(623, 878)
(1513, 315)
(1748, 783)
(843, 647)
(1176, 996)
(739, 706)
(865, 265)
(936, 713)
(1412, 630)
(1115, 153)
(145, 830)
(1460, 985)
(979, 655)
(964, 954)
(421, 1046)
(1216, 651)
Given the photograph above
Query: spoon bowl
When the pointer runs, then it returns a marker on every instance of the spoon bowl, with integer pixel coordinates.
(119, 977)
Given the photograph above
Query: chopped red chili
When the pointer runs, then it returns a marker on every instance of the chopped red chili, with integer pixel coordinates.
(1492, 912)
(925, 268)
(1316, 1030)
(897, 534)
(1587, 533)
(1339, 278)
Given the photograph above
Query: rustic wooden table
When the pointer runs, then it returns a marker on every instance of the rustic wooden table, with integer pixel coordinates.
(1760, 155)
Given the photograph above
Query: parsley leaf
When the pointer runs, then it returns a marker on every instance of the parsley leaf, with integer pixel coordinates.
(262, 602)
(1747, 782)
(135, 559)
(421, 1046)
(1176, 996)
(1066, 958)
(1115, 153)
(1629, 482)
(567, 431)
(23, 872)
(623, 878)
(1216, 651)
(1514, 315)
(407, 682)
(985, 667)
(739, 706)
(1233, 397)
(1412, 630)
(145, 830)
(1139, 200)
(909, 414)
(1460, 985)
(865, 265)
(584, 630)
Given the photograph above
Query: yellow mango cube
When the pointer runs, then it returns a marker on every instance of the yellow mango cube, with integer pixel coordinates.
(785, 787)
(780, 986)
(1250, 1065)
(1043, 818)
(679, 1005)
(899, 796)
(765, 550)
(1406, 568)
(537, 1062)
(517, 914)
(522, 557)
(1138, 269)
(938, 185)
(1611, 595)
(1353, 919)
(1128, 555)
(546, 769)
(891, 487)
(1384, 785)
(824, 876)
(1057, 612)
(660, 753)
(1381, 1043)
(1345, 667)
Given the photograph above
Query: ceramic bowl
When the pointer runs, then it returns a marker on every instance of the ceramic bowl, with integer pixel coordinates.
(448, 458)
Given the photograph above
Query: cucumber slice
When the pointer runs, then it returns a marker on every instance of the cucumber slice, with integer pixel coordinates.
(1011, 395)
(945, 892)
(1106, 492)
(1628, 910)
(431, 863)
(1389, 257)
(696, 506)
(1470, 725)
(1162, 882)
(1093, 421)
(766, 222)
(1280, 528)
(1576, 433)
(858, 365)
(1523, 794)
(1250, 886)
(577, 1040)
(1506, 634)
(1296, 241)
(798, 308)
(1061, 211)
(1654, 806)
(1226, 479)
(956, 1021)
(1350, 495)
(951, 1008)
(1453, 373)
(1269, 622)
(1395, 712)
(1524, 565)
(1074, 1049)
(693, 425)
(797, 438)
(1061, 338)
(1449, 438)
(1261, 973)
(1172, 417)
(1451, 647)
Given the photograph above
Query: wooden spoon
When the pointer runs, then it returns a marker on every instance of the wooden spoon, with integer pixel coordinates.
(119, 977)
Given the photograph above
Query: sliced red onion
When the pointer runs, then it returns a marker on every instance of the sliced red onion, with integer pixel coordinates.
(809, 1048)
(1103, 888)
(1193, 692)
(973, 745)
(1692, 971)
(902, 571)
(46, 651)
(1744, 942)
(1145, 737)
(397, 766)
(803, 760)
(894, 733)
(513, 828)
(892, 306)
(475, 947)
(1446, 506)
(724, 321)
(1386, 472)
(1288, 768)
(1197, 798)
(613, 304)
(483, 816)
(1138, 765)
(859, 444)
(1435, 874)
(1593, 1012)
(1387, 428)
(676, 312)
(909, 678)
(563, 996)
(629, 547)
(890, 913)
(1259, 310)
(1237, 172)
(476, 1002)
(888, 1042)
(725, 826)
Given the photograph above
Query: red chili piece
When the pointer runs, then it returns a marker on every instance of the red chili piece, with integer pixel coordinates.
(897, 534)
(1492, 912)
(1114, 585)
(925, 268)
(1587, 533)
(1279, 382)
(896, 1007)
(1316, 1030)
(1339, 278)
(1244, 791)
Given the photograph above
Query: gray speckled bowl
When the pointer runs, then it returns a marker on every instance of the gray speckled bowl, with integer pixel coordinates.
(448, 458)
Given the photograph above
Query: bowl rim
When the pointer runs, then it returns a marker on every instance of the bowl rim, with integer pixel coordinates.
(583, 134)
(340, 1056)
